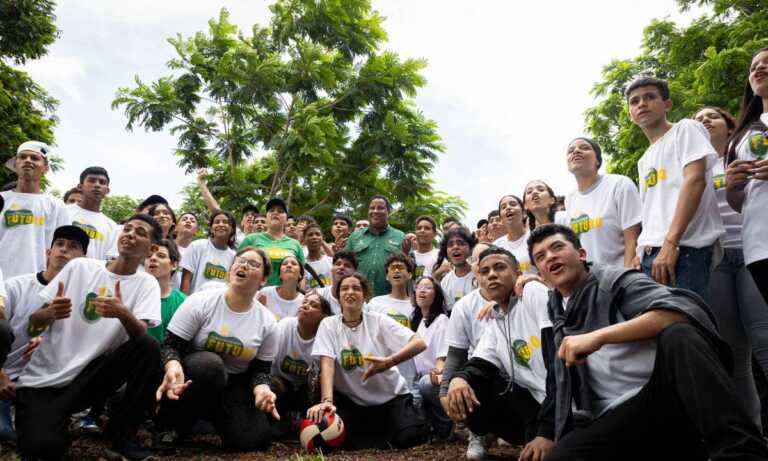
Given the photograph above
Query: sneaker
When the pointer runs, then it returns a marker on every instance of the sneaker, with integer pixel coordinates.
(166, 442)
(128, 450)
(84, 425)
(477, 447)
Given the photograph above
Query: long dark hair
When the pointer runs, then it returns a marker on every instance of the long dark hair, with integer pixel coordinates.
(172, 229)
(751, 109)
(461, 232)
(232, 225)
(437, 307)
(552, 208)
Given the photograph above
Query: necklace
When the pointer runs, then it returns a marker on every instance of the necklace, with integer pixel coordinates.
(352, 325)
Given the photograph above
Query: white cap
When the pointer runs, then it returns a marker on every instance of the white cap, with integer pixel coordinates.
(29, 146)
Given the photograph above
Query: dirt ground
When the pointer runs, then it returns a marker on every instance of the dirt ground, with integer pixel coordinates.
(205, 448)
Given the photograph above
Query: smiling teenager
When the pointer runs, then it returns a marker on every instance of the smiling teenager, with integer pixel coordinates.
(456, 248)
(359, 352)
(162, 264)
(513, 217)
(164, 216)
(102, 230)
(207, 260)
(343, 262)
(284, 300)
(217, 356)
(316, 259)
(639, 362)
(86, 355)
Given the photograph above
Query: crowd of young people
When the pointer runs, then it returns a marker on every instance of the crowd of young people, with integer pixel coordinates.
(622, 325)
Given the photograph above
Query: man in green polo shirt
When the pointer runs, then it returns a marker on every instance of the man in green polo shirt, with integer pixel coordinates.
(373, 245)
(274, 242)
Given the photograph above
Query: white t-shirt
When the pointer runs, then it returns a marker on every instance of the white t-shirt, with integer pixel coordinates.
(327, 294)
(3, 293)
(206, 320)
(322, 268)
(100, 228)
(434, 336)
(464, 329)
(661, 178)
(519, 249)
(732, 221)
(280, 306)
(755, 207)
(454, 287)
(601, 215)
(26, 230)
(377, 336)
(71, 344)
(425, 262)
(513, 343)
(22, 301)
(400, 310)
(176, 277)
(206, 262)
(293, 357)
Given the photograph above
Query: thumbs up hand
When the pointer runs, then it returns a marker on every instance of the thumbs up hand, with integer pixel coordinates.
(111, 306)
(59, 308)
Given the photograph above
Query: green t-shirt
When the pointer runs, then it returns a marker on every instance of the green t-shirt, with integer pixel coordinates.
(372, 251)
(168, 307)
(276, 251)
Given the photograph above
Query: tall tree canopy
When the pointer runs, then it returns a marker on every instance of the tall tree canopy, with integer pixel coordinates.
(309, 108)
(705, 63)
(27, 111)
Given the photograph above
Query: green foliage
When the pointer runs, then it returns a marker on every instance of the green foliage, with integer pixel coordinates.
(705, 63)
(26, 109)
(308, 109)
(119, 207)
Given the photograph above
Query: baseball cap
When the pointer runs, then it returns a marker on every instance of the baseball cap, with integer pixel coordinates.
(73, 233)
(276, 201)
(29, 146)
(152, 200)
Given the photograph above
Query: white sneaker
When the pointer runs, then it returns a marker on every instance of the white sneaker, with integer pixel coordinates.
(477, 447)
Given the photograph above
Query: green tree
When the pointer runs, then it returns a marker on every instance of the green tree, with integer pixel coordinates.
(705, 64)
(119, 207)
(27, 28)
(308, 108)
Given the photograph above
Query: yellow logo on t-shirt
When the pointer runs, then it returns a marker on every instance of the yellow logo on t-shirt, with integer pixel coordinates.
(399, 318)
(214, 271)
(313, 283)
(419, 271)
(277, 253)
(719, 181)
(351, 358)
(758, 144)
(524, 266)
(93, 234)
(89, 306)
(223, 345)
(16, 217)
(653, 177)
(523, 350)
(583, 223)
(294, 366)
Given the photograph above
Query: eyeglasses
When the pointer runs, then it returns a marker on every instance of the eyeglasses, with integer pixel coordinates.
(397, 267)
(247, 262)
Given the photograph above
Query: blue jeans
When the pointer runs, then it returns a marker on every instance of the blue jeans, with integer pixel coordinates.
(692, 270)
(742, 316)
(7, 431)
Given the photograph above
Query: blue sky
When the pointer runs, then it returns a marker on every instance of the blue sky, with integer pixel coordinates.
(508, 83)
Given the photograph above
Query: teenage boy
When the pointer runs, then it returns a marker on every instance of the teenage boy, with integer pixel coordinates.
(103, 231)
(375, 243)
(640, 361)
(680, 218)
(275, 243)
(397, 303)
(321, 265)
(29, 217)
(72, 196)
(421, 244)
(502, 388)
(162, 264)
(495, 227)
(343, 262)
(341, 228)
(88, 354)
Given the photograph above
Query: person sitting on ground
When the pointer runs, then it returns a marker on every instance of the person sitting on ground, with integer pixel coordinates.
(162, 264)
(639, 361)
(217, 356)
(87, 355)
(502, 388)
(373, 401)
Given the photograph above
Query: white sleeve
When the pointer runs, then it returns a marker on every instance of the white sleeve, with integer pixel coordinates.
(59, 217)
(112, 238)
(47, 294)
(192, 256)
(439, 339)
(188, 319)
(393, 335)
(323, 345)
(693, 144)
(536, 297)
(457, 328)
(268, 348)
(628, 202)
(3, 292)
(486, 348)
(147, 306)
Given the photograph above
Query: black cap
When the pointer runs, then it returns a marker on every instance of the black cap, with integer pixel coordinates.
(482, 223)
(250, 207)
(73, 233)
(2, 203)
(152, 200)
(276, 201)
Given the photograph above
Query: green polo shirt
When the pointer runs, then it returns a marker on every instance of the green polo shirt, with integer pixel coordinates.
(276, 251)
(372, 250)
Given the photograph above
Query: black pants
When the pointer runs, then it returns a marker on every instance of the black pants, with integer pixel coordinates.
(6, 340)
(226, 400)
(512, 416)
(393, 424)
(687, 410)
(42, 414)
(759, 271)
